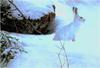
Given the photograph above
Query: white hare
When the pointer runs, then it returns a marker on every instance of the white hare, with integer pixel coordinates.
(69, 31)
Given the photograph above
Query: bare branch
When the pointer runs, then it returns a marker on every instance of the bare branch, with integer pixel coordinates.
(62, 45)
(17, 8)
(61, 65)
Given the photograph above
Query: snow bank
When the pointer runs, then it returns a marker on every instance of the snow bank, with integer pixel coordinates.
(33, 8)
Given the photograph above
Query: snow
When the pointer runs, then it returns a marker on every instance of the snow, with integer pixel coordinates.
(42, 49)
(33, 9)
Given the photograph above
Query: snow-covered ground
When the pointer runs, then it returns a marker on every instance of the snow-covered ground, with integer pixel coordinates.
(43, 50)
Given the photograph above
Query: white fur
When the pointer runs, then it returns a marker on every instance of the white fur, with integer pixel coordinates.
(69, 31)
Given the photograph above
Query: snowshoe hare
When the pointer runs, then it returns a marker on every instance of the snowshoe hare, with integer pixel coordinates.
(69, 31)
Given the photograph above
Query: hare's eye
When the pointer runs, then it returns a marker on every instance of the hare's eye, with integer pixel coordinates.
(81, 17)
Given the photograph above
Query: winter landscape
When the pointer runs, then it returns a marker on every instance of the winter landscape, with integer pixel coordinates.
(43, 51)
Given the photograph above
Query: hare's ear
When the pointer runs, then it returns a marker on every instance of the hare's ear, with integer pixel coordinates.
(75, 10)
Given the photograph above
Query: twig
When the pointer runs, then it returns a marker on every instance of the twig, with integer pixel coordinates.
(61, 65)
(17, 8)
(63, 48)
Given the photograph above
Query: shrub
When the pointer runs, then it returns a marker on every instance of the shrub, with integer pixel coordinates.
(9, 47)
